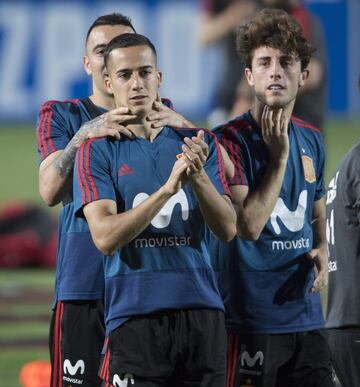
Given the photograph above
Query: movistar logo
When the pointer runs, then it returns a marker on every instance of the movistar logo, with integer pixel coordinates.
(72, 370)
(163, 218)
(127, 381)
(292, 220)
(246, 359)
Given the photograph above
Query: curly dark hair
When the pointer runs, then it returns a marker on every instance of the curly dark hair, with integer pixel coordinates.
(273, 28)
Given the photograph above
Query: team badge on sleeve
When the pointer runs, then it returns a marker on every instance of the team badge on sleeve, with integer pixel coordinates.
(309, 170)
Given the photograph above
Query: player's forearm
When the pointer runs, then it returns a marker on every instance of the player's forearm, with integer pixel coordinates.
(188, 124)
(113, 231)
(319, 225)
(217, 211)
(53, 188)
(55, 176)
(256, 209)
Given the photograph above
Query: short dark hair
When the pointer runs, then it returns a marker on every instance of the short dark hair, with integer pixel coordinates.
(112, 19)
(127, 40)
(273, 28)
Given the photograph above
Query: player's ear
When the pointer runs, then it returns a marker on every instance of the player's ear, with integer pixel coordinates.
(304, 75)
(86, 64)
(249, 76)
(159, 77)
(108, 84)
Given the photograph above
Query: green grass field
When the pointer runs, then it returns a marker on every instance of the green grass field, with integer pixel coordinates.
(26, 295)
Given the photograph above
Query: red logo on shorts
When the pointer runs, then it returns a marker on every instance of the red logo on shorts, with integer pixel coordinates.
(125, 170)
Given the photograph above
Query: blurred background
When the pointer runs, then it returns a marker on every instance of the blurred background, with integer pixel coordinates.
(41, 49)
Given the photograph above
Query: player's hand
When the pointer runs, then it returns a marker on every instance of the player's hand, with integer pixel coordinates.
(274, 127)
(320, 259)
(177, 178)
(196, 152)
(110, 123)
(164, 116)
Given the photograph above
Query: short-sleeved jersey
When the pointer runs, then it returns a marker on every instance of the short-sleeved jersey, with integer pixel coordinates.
(265, 283)
(343, 237)
(79, 271)
(168, 265)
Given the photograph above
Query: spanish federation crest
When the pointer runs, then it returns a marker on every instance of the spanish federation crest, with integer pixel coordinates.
(309, 170)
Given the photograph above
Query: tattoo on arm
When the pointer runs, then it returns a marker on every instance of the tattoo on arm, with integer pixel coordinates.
(65, 163)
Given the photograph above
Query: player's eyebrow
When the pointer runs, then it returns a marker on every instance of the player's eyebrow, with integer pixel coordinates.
(99, 46)
(140, 68)
(263, 58)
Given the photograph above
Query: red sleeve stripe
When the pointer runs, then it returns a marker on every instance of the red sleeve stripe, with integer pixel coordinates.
(239, 169)
(45, 127)
(50, 141)
(230, 150)
(46, 144)
(304, 124)
(43, 143)
(85, 192)
(78, 171)
(88, 173)
(89, 192)
(233, 150)
(42, 154)
(221, 166)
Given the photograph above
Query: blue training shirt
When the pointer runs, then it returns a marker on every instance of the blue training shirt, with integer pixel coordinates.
(265, 283)
(168, 265)
(79, 271)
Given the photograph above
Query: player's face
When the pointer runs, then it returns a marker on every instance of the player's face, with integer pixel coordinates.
(133, 78)
(94, 59)
(275, 77)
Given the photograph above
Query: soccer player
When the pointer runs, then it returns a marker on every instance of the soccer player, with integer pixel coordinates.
(147, 201)
(77, 328)
(343, 313)
(266, 275)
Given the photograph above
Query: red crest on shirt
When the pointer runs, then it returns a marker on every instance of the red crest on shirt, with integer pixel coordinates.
(309, 170)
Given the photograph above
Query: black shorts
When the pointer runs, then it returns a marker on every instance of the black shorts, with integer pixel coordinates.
(279, 360)
(345, 351)
(77, 335)
(173, 349)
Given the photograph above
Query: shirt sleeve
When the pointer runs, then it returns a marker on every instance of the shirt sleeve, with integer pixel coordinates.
(234, 148)
(52, 128)
(214, 166)
(92, 175)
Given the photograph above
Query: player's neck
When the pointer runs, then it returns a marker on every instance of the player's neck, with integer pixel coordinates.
(258, 108)
(105, 101)
(141, 127)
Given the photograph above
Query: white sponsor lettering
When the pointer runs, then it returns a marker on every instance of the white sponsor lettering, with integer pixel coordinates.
(163, 218)
(118, 382)
(72, 380)
(331, 193)
(246, 359)
(289, 245)
(292, 220)
(72, 370)
(330, 232)
(332, 266)
(169, 241)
